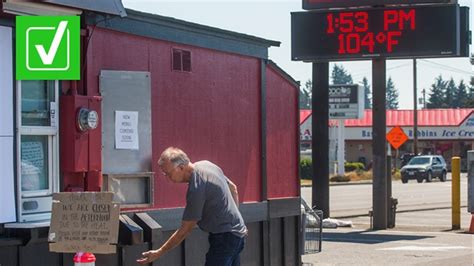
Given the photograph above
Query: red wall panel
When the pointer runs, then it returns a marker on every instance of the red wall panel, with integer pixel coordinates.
(212, 113)
(282, 139)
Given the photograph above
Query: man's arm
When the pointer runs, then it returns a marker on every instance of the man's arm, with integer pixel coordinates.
(233, 191)
(174, 240)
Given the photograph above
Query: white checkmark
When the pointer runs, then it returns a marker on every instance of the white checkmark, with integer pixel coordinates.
(48, 58)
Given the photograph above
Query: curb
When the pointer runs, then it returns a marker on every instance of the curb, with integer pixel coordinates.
(344, 183)
(357, 183)
(414, 209)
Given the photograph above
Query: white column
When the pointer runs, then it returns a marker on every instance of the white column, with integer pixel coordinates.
(333, 150)
(341, 149)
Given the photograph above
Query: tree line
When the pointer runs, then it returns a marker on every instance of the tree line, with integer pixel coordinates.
(448, 94)
(442, 93)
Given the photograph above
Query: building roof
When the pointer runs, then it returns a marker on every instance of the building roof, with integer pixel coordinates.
(304, 114)
(114, 7)
(184, 32)
(283, 73)
(426, 117)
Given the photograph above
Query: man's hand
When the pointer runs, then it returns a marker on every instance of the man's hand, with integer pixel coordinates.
(149, 256)
(174, 240)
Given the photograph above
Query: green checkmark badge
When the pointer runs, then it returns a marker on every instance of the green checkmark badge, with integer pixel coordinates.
(47, 48)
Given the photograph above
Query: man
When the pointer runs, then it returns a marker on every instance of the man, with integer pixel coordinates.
(211, 203)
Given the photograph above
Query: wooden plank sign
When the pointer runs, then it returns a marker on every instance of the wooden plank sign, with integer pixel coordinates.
(84, 222)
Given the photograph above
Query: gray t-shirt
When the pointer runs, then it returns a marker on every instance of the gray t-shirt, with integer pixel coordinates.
(209, 201)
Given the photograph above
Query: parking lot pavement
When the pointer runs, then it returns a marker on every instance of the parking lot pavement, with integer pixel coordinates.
(347, 246)
(419, 238)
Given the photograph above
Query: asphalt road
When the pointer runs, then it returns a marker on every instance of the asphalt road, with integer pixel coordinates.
(356, 200)
(423, 233)
(348, 246)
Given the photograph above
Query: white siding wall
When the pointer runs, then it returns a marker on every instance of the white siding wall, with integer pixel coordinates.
(7, 189)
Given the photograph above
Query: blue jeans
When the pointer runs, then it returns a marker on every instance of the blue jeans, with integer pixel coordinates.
(224, 249)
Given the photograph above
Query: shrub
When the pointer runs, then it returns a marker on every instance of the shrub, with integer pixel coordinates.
(359, 175)
(353, 176)
(366, 175)
(353, 166)
(340, 178)
(306, 168)
(396, 175)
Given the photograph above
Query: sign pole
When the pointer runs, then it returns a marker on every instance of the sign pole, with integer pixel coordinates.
(390, 221)
(415, 111)
(379, 150)
(320, 140)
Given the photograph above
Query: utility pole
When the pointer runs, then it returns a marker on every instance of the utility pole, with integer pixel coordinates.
(379, 147)
(320, 139)
(424, 98)
(415, 111)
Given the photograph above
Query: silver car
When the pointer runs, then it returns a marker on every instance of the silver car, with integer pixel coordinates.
(424, 167)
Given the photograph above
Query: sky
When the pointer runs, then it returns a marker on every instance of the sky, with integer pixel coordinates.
(270, 19)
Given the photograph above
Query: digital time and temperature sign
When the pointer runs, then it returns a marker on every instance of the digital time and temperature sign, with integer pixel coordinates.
(404, 32)
(318, 4)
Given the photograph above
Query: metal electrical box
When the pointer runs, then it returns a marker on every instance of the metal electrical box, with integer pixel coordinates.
(470, 181)
(126, 137)
(126, 92)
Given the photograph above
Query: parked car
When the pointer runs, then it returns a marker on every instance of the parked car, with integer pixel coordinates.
(424, 167)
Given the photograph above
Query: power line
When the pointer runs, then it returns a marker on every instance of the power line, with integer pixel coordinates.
(364, 72)
(448, 68)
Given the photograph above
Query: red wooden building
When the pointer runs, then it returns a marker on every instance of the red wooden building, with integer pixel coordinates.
(209, 91)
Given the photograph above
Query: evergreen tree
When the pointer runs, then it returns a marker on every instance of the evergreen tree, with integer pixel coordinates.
(470, 101)
(437, 96)
(460, 98)
(391, 95)
(340, 76)
(305, 95)
(367, 94)
(451, 90)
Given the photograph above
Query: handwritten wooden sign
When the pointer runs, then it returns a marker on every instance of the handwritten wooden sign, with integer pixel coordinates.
(84, 222)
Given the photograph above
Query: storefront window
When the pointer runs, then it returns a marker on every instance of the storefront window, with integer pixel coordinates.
(36, 100)
(34, 163)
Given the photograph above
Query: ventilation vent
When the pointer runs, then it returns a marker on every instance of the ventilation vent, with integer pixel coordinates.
(181, 60)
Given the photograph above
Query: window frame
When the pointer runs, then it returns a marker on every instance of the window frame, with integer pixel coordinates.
(149, 176)
(181, 52)
(52, 133)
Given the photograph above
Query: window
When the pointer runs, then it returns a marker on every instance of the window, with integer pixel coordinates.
(37, 148)
(34, 163)
(181, 60)
(131, 190)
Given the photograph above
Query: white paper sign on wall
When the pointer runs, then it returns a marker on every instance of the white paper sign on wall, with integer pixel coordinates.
(126, 130)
